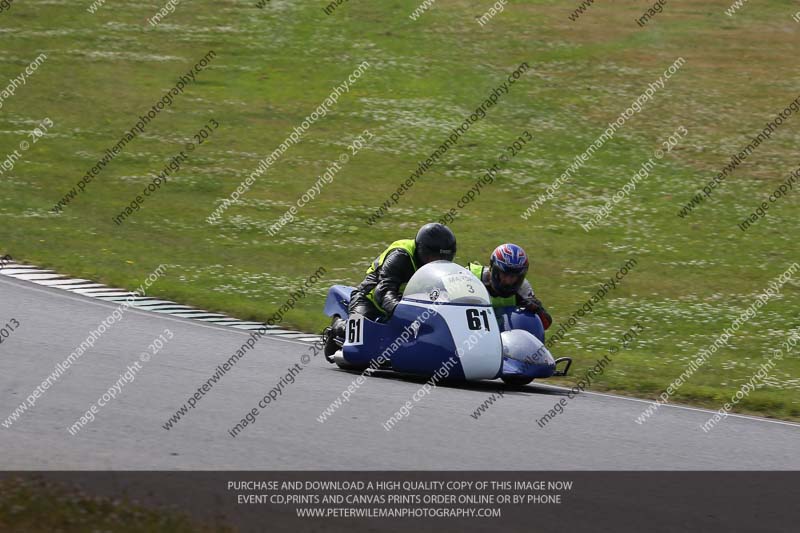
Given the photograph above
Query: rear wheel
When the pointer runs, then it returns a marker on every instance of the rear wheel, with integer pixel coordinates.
(516, 381)
(330, 340)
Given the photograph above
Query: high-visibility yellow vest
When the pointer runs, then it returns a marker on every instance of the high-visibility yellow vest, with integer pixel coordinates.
(406, 244)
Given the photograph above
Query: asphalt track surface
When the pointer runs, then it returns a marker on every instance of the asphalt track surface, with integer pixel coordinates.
(595, 432)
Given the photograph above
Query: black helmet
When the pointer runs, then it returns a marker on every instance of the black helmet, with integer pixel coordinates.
(435, 241)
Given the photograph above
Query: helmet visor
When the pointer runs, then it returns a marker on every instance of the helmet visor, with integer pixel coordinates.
(507, 283)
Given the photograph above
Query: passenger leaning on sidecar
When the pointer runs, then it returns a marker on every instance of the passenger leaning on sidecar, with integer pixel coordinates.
(506, 283)
(382, 288)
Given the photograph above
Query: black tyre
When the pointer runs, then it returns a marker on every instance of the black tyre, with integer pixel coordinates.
(517, 381)
(347, 366)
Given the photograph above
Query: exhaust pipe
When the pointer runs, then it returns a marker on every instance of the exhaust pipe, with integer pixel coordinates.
(339, 359)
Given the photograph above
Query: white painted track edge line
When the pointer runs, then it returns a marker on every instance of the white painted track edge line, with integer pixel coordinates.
(108, 305)
(674, 406)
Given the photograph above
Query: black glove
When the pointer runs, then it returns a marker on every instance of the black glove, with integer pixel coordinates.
(537, 308)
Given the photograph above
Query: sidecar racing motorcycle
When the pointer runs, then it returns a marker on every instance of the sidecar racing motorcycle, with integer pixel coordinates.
(445, 320)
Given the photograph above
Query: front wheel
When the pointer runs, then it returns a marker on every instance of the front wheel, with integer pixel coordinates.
(517, 381)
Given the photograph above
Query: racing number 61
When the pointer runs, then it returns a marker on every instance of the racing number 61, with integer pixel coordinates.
(354, 326)
(474, 319)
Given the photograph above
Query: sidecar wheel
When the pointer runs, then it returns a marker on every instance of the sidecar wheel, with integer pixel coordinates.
(516, 381)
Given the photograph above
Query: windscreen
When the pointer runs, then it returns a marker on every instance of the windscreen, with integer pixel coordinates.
(446, 282)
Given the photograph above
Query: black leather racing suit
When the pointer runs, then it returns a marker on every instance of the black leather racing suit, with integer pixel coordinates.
(397, 269)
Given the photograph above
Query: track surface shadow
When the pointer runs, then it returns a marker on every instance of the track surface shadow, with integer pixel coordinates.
(481, 386)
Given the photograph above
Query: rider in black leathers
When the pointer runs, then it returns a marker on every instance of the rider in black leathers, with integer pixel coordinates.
(380, 292)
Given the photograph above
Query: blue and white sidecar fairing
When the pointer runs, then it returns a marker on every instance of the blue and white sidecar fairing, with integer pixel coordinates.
(509, 318)
(443, 326)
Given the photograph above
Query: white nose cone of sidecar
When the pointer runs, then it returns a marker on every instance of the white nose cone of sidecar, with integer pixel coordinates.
(523, 346)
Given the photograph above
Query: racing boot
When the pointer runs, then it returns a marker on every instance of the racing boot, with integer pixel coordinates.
(333, 338)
